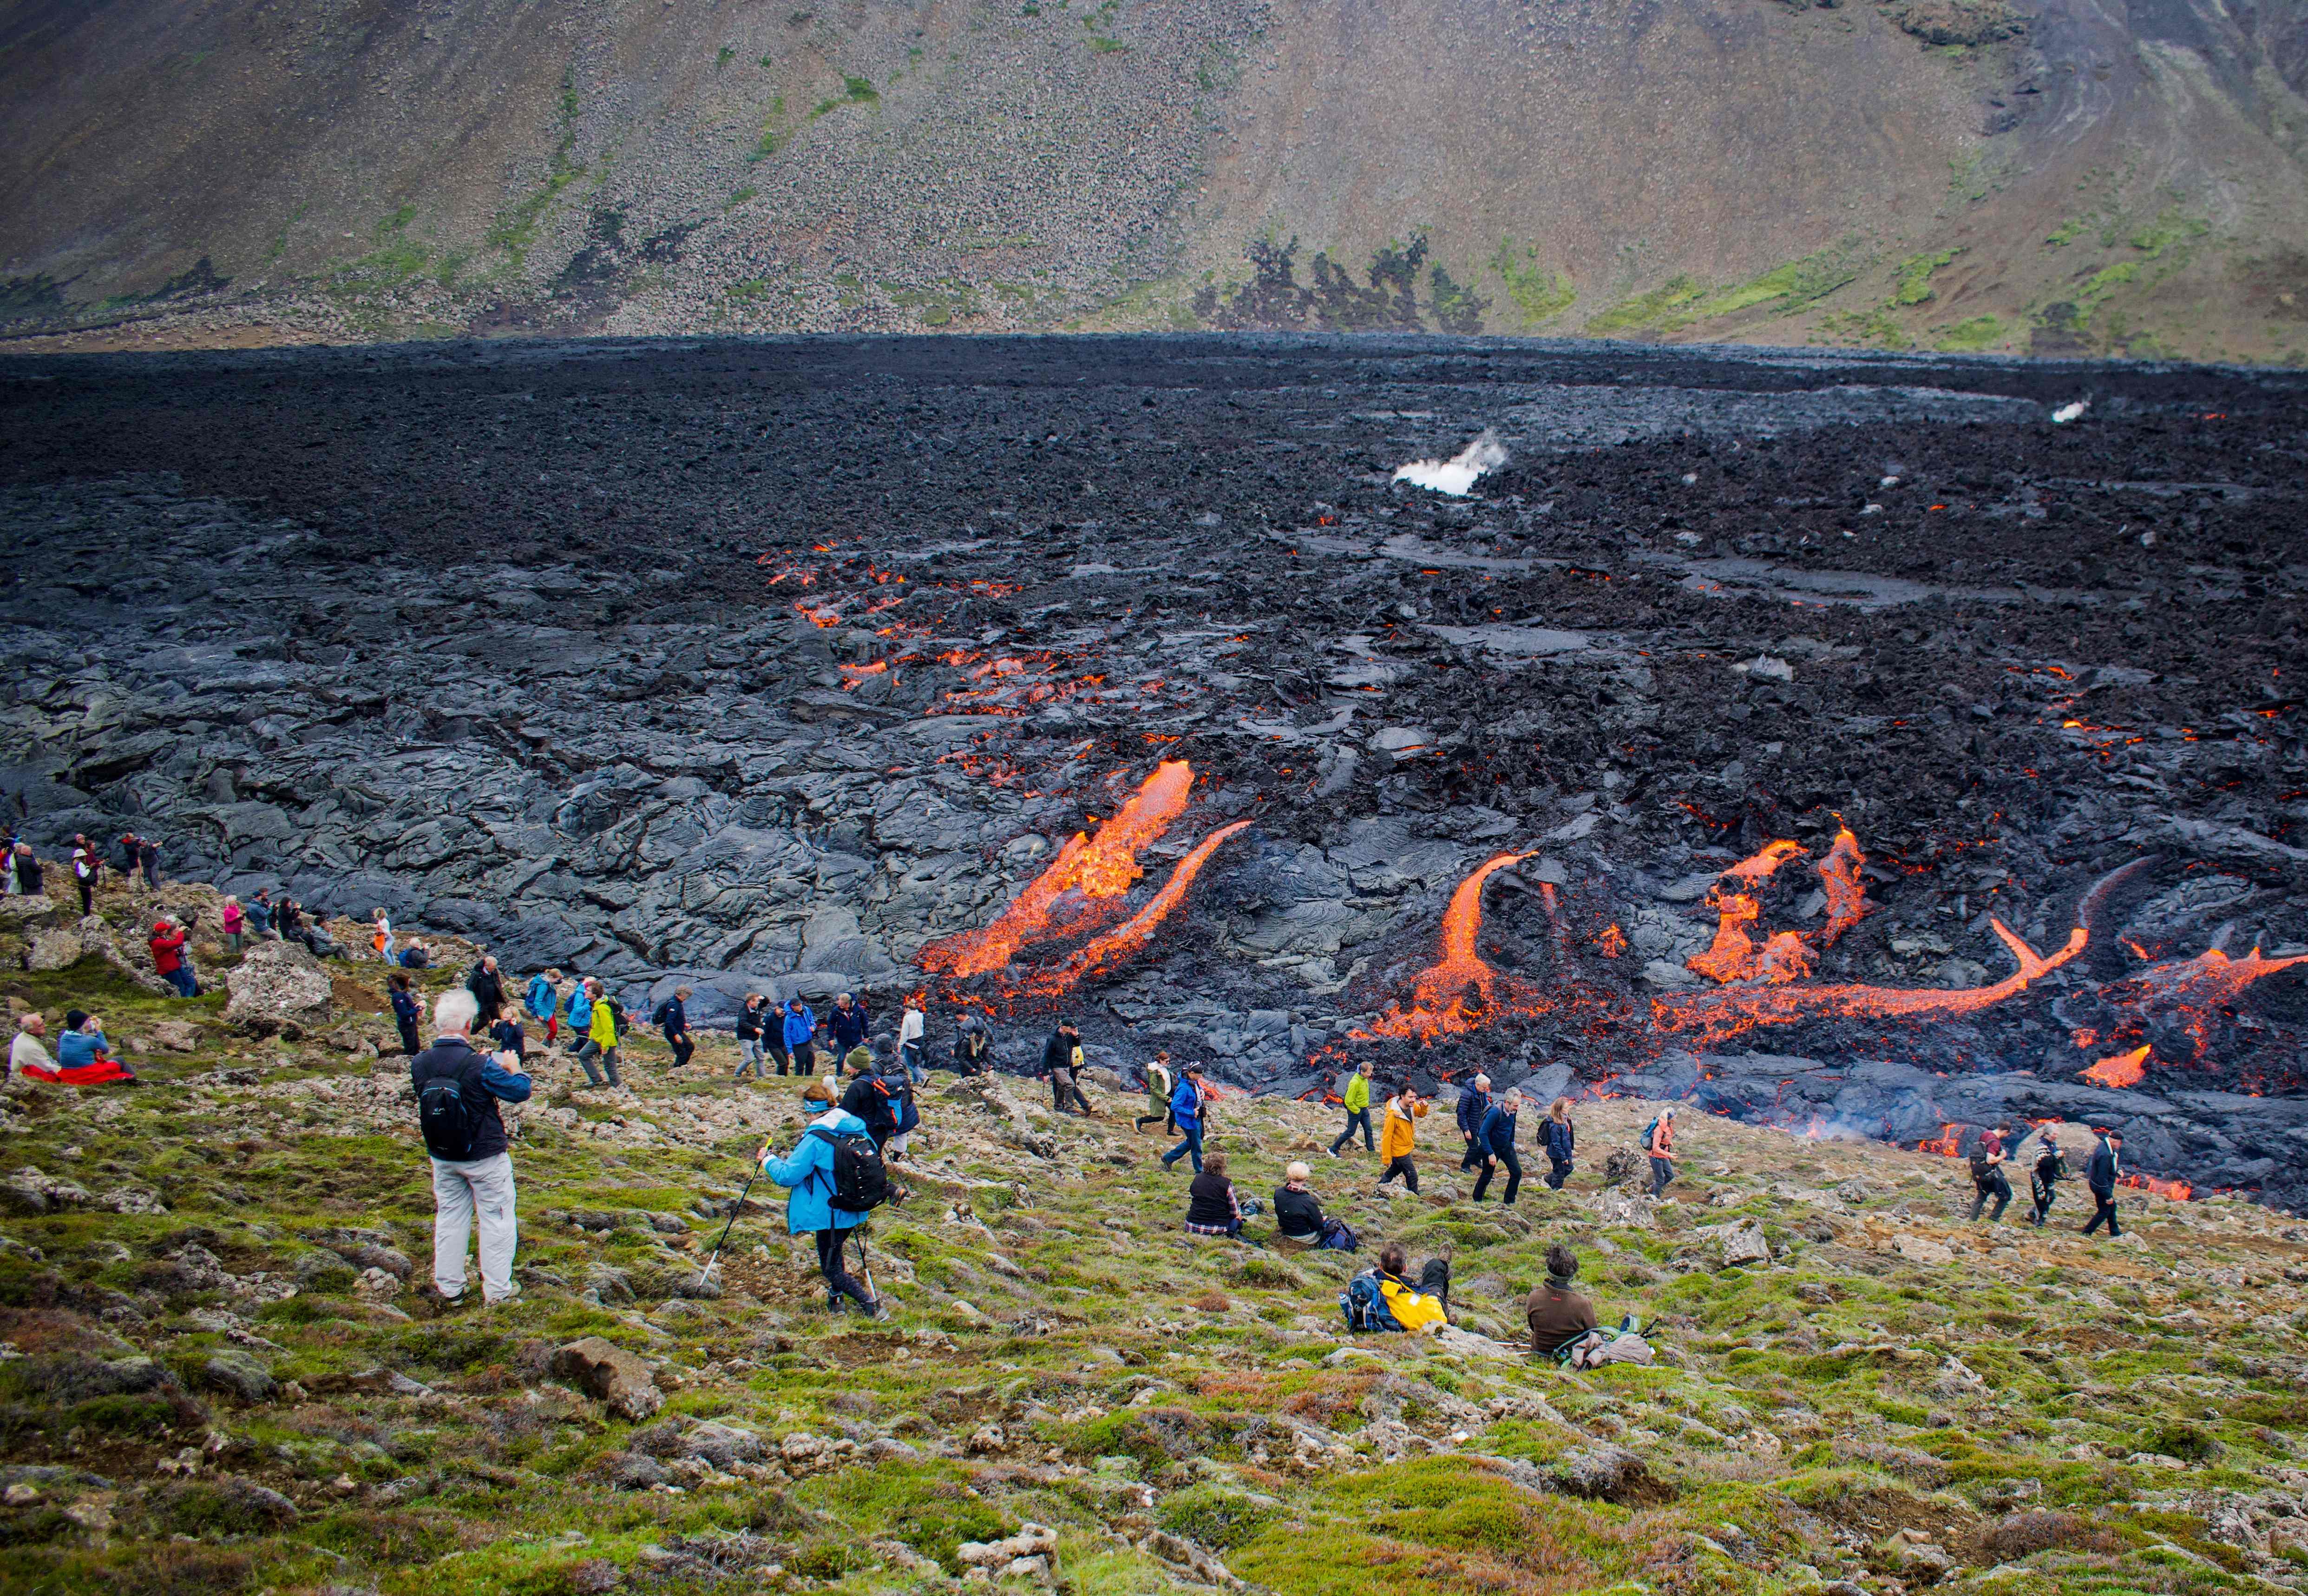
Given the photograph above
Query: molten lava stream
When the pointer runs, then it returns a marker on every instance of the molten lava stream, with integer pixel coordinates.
(2178, 1191)
(2124, 1070)
(1847, 894)
(1103, 952)
(1438, 995)
(2197, 988)
(1103, 868)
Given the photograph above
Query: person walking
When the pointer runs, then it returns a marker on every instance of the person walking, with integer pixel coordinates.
(458, 1090)
(878, 1103)
(1497, 1136)
(672, 1016)
(1398, 1133)
(1062, 1062)
(381, 936)
(543, 1002)
(1562, 1138)
(1988, 1177)
(1474, 1102)
(751, 1054)
(799, 1029)
(579, 1013)
(2100, 1176)
(847, 1025)
(509, 1037)
(1157, 1097)
(2050, 1169)
(1659, 1147)
(405, 1011)
(487, 988)
(234, 924)
(913, 1032)
(85, 864)
(809, 1174)
(1186, 1111)
(601, 1037)
(1358, 1103)
(973, 1044)
(170, 959)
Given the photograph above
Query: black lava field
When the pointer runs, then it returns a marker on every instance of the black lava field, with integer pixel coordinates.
(1873, 745)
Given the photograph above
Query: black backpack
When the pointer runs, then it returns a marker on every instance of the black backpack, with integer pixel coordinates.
(450, 1121)
(860, 1182)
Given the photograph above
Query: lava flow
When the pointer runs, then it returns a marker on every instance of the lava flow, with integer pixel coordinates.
(1438, 995)
(1733, 956)
(1102, 868)
(2197, 988)
(2124, 1070)
(1109, 949)
(1847, 894)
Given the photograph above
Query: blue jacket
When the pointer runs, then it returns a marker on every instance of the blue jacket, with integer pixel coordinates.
(404, 1005)
(580, 1009)
(848, 1030)
(78, 1049)
(800, 1025)
(809, 1176)
(1497, 1132)
(1187, 1105)
(1472, 1106)
(1560, 1137)
(258, 915)
(541, 1002)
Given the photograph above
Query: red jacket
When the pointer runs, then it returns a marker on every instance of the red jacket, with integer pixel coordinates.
(166, 955)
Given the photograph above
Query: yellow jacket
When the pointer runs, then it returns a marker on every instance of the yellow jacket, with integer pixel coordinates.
(1412, 1310)
(1396, 1134)
(604, 1027)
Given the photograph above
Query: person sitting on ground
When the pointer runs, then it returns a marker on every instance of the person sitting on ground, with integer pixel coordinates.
(1426, 1307)
(1297, 1211)
(27, 1055)
(1396, 1134)
(170, 958)
(84, 1053)
(808, 1174)
(406, 1011)
(1213, 1209)
(416, 956)
(1557, 1315)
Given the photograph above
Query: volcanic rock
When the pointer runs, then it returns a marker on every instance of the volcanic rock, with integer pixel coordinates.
(278, 988)
(603, 1370)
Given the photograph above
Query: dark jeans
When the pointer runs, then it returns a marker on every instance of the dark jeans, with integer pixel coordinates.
(87, 898)
(1558, 1171)
(683, 1047)
(1434, 1281)
(1662, 1172)
(1997, 1186)
(1513, 1162)
(1472, 1157)
(2107, 1211)
(592, 1051)
(1192, 1143)
(1401, 1166)
(839, 1282)
(805, 1060)
(408, 1037)
(181, 978)
(1361, 1116)
(2041, 1195)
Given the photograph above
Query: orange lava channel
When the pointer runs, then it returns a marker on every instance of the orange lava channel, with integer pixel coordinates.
(1104, 952)
(1716, 1016)
(1438, 997)
(1102, 868)
(1847, 894)
(1733, 956)
(2124, 1070)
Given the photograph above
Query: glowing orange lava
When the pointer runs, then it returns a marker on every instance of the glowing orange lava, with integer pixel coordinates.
(2124, 1070)
(1732, 957)
(1948, 1143)
(2201, 986)
(1612, 943)
(2178, 1191)
(1438, 996)
(1847, 894)
(1104, 952)
(1760, 868)
(1101, 867)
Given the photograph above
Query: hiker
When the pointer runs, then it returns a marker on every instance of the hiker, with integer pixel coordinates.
(1427, 1305)
(913, 1028)
(1988, 1177)
(27, 1055)
(600, 1036)
(1396, 1134)
(847, 1025)
(380, 937)
(672, 1016)
(148, 860)
(578, 1012)
(1560, 1138)
(85, 863)
(1496, 1135)
(2050, 1169)
(1157, 1097)
(458, 1090)
(128, 857)
(1213, 1209)
(1557, 1315)
(1659, 1147)
(258, 913)
(487, 988)
(874, 1102)
(234, 924)
(405, 1010)
(170, 958)
(859, 1060)
(1358, 1104)
(24, 874)
(543, 1001)
(1474, 1102)
(973, 1044)
(2099, 1175)
(800, 1033)
(1299, 1214)
(289, 915)
(1061, 1059)
(751, 1055)
(812, 1175)
(509, 1037)
(1186, 1110)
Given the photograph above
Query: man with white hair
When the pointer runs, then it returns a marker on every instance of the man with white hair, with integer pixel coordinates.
(1497, 1139)
(1474, 1102)
(27, 1050)
(458, 1089)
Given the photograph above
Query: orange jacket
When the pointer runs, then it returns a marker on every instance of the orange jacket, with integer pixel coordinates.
(1398, 1132)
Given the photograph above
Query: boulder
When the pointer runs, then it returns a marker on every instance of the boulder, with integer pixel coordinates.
(603, 1370)
(239, 1375)
(1922, 1249)
(1621, 1166)
(91, 938)
(1743, 1243)
(1611, 1473)
(175, 1036)
(278, 988)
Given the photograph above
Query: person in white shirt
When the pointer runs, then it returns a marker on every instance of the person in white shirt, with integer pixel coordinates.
(911, 1050)
(27, 1048)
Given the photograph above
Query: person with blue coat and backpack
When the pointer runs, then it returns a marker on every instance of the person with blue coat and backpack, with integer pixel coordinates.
(458, 1090)
(834, 1152)
(799, 1029)
(580, 1014)
(1495, 1138)
(1186, 1108)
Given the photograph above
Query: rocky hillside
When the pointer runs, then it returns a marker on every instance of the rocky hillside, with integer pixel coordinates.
(2034, 175)
(216, 1374)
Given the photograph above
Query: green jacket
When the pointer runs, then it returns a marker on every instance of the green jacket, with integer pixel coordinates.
(1358, 1093)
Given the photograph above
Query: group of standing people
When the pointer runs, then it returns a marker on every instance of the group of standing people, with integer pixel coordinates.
(1489, 1129)
(1991, 1158)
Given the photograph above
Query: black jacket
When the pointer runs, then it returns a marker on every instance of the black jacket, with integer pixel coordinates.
(847, 1030)
(479, 1079)
(870, 1098)
(2099, 1174)
(1472, 1106)
(673, 1014)
(1297, 1213)
(749, 1023)
(488, 990)
(1210, 1200)
(1059, 1051)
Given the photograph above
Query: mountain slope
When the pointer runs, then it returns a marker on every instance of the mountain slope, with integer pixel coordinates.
(1958, 174)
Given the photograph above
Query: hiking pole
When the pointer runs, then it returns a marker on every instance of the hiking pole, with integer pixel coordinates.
(715, 1255)
(865, 1268)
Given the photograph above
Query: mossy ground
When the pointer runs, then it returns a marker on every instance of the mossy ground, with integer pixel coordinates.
(2055, 1414)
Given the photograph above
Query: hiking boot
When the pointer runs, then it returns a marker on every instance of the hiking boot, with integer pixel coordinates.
(440, 1303)
(878, 1314)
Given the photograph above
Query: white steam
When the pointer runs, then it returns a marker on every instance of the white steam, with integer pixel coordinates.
(1456, 474)
(2070, 411)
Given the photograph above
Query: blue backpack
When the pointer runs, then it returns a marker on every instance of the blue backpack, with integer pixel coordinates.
(1364, 1306)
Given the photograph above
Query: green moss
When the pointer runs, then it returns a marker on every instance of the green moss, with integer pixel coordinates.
(1649, 310)
(855, 91)
(1911, 279)
(1537, 294)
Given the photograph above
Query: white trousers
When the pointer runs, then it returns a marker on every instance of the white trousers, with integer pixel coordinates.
(460, 1191)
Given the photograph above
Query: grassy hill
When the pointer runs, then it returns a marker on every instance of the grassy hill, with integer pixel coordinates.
(216, 1376)
(2065, 176)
